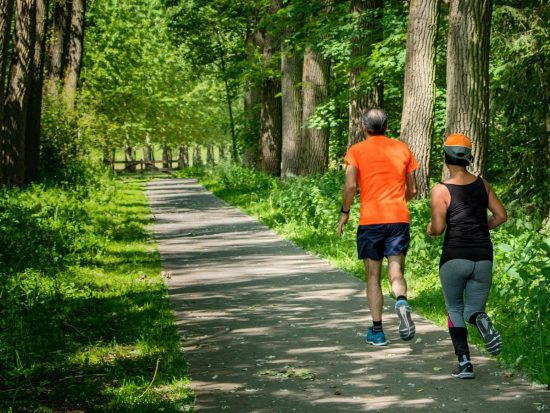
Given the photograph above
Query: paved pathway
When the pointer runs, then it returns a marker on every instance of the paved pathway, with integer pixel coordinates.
(267, 327)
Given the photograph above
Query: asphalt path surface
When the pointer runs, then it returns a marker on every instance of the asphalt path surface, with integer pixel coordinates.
(267, 327)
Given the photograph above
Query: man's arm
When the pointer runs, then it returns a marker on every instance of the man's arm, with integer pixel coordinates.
(350, 187)
(410, 186)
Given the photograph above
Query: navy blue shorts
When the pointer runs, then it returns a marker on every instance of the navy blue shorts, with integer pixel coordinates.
(382, 240)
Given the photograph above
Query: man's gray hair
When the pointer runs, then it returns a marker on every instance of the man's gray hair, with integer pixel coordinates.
(375, 121)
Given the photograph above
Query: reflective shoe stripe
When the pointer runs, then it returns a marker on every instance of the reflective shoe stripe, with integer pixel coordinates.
(406, 325)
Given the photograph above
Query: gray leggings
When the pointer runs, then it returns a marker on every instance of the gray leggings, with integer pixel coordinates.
(466, 286)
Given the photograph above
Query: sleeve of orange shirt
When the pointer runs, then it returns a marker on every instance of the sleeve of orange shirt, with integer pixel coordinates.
(413, 164)
(349, 159)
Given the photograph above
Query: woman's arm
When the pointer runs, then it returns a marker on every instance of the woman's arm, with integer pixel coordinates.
(440, 202)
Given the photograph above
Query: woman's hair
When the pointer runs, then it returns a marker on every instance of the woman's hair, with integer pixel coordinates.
(451, 160)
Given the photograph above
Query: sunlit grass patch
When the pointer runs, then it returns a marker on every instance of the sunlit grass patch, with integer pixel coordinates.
(96, 333)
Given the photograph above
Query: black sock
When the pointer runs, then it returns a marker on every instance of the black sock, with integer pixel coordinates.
(377, 325)
(401, 297)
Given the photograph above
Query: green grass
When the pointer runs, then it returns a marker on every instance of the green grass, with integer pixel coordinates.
(305, 211)
(92, 335)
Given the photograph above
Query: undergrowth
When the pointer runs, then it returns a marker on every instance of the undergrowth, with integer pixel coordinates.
(85, 323)
(305, 210)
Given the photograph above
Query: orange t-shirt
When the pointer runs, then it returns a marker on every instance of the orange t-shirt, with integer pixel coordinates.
(382, 164)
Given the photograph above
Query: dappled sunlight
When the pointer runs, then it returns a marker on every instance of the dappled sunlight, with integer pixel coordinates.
(266, 324)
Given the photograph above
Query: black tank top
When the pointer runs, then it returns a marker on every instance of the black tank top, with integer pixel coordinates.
(467, 234)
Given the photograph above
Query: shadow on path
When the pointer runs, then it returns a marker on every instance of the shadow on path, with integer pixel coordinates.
(267, 327)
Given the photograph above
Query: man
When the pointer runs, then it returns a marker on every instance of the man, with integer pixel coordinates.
(384, 168)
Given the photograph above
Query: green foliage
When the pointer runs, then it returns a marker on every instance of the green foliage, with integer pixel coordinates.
(305, 210)
(85, 318)
(136, 81)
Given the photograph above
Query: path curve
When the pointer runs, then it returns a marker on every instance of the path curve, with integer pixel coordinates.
(269, 328)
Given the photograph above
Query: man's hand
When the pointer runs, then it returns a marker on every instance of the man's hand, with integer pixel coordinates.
(344, 218)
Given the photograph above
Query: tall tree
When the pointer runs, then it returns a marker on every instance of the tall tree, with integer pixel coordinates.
(60, 35)
(34, 112)
(271, 111)
(367, 32)
(75, 53)
(468, 74)
(6, 12)
(315, 84)
(291, 79)
(417, 122)
(15, 108)
(252, 93)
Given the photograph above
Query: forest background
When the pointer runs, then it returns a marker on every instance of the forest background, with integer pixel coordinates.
(279, 86)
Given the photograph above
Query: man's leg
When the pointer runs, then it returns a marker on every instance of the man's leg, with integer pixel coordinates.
(396, 271)
(374, 289)
(375, 299)
(396, 264)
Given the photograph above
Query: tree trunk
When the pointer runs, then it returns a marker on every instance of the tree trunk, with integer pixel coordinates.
(291, 78)
(183, 160)
(417, 122)
(315, 92)
(369, 29)
(34, 112)
(468, 75)
(251, 133)
(15, 109)
(148, 157)
(129, 159)
(74, 63)
(221, 151)
(251, 101)
(210, 155)
(197, 156)
(271, 137)
(6, 15)
(57, 61)
(166, 157)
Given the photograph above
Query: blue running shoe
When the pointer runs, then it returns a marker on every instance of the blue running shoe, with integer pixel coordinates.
(376, 338)
(406, 325)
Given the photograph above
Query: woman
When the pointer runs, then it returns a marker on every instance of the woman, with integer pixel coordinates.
(466, 267)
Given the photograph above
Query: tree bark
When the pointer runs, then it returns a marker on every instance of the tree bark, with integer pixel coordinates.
(315, 92)
(6, 15)
(291, 100)
(15, 108)
(271, 133)
(417, 122)
(253, 45)
(221, 151)
(197, 156)
(183, 159)
(34, 111)
(368, 32)
(210, 154)
(229, 97)
(129, 158)
(60, 35)
(468, 75)
(74, 62)
(166, 157)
